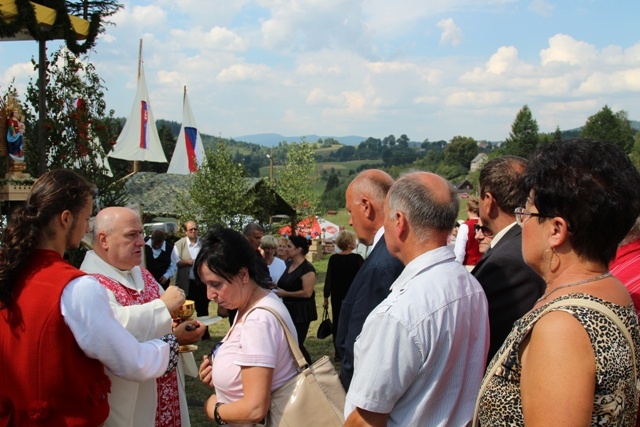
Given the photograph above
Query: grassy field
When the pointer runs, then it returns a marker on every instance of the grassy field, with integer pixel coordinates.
(197, 392)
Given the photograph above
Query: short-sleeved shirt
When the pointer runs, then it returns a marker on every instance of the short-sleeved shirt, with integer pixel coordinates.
(431, 335)
(276, 268)
(258, 340)
(302, 310)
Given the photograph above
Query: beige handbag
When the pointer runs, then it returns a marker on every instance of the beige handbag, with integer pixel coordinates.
(313, 398)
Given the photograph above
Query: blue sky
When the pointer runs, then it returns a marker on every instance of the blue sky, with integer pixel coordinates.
(425, 68)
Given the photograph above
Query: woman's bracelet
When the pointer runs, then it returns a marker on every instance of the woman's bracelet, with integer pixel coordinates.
(216, 415)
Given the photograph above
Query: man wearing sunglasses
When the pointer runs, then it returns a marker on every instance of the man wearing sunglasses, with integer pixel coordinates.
(511, 286)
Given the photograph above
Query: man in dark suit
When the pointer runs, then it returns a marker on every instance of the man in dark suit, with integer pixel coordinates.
(365, 199)
(511, 286)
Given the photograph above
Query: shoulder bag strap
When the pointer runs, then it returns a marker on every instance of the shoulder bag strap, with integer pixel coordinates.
(567, 302)
(293, 343)
(611, 315)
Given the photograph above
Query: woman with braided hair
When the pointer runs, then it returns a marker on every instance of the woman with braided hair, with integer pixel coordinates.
(57, 330)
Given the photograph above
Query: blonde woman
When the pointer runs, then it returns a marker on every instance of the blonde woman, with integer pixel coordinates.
(269, 246)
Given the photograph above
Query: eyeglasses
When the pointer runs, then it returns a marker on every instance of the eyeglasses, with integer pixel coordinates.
(523, 215)
(192, 229)
(485, 231)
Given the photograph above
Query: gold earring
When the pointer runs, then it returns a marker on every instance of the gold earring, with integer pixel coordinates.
(550, 261)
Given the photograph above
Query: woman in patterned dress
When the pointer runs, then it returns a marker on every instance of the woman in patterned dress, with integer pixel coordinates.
(572, 364)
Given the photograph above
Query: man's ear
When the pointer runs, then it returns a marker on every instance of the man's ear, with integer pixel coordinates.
(102, 240)
(365, 205)
(398, 225)
(402, 226)
(488, 205)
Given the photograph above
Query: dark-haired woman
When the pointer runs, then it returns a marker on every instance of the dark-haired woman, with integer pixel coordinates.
(573, 364)
(57, 329)
(296, 288)
(253, 358)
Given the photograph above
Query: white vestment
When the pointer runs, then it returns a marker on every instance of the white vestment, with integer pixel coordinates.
(134, 404)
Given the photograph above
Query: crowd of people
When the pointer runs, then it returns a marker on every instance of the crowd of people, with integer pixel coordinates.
(528, 317)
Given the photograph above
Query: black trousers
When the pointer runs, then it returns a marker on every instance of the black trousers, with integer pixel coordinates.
(198, 293)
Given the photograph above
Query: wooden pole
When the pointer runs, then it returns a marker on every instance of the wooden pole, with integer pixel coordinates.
(42, 106)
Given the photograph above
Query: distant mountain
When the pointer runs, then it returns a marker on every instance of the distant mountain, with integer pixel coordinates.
(272, 139)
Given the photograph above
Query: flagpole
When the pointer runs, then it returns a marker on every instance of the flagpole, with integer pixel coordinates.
(135, 162)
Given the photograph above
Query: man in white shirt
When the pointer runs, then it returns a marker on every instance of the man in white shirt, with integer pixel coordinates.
(142, 307)
(365, 202)
(159, 258)
(57, 328)
(421, 355)
(184, 254)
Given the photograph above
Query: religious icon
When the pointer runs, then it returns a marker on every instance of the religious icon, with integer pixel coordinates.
(12, 131)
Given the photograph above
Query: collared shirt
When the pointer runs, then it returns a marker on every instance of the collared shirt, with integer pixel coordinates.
(421, 355)
(173, 266)
(500, 234)
(194, 249)
(378, 236)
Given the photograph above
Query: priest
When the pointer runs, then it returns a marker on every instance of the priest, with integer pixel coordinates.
(145, 310)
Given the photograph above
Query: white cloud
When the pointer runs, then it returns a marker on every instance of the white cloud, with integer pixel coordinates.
(242, 72)
(141, 17)
(503, 61)
(542, 7)
(216, 38)
(475, 99)
(619, 81)
(451, 33)
(566, 49)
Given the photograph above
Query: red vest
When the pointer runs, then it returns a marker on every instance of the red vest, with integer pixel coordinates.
(46, 379)
(472, 251)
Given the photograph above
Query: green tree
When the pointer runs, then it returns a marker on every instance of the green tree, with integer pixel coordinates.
(523, 139)
(332, 180)
(219, 191)
(296, 179)
(78, 127)
(461, 150)
(557, 135)
(634, 155)
(609, 126)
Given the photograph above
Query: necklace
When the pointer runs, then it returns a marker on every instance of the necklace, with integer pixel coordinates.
(581, 282)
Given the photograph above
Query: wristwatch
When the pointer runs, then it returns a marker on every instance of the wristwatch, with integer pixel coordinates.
(216, 415)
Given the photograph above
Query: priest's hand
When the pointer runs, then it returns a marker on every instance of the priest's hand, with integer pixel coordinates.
(189, 331)
(173, 298)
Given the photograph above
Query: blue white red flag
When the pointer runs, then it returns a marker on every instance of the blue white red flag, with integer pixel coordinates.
(189, 154)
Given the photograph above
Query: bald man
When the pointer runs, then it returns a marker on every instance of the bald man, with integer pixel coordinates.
(421, 355)
(365, 202)
(144, 309)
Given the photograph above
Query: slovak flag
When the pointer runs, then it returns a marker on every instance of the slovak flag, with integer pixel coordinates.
(188, 155)
(144, 114)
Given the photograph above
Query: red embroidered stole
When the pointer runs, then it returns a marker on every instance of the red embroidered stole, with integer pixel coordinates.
(168, 409)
